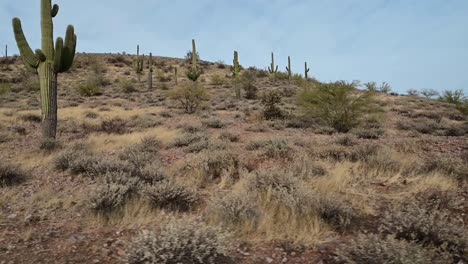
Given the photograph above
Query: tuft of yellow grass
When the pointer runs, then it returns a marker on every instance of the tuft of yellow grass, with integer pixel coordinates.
(107, 142)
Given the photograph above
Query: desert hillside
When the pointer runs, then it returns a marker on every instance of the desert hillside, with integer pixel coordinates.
(237, 170)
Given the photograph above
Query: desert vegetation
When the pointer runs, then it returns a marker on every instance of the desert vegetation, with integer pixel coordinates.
(222, 164)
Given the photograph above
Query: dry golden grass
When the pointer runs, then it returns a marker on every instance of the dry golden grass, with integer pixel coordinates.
(107, 142)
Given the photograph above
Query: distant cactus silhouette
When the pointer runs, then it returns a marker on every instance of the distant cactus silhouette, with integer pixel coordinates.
(47, 62)
(150, 72)
(139, 64)
(306, 70)
(288, 68)
(273, 69)
(195, 72)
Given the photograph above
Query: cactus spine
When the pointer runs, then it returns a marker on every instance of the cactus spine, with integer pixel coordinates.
(195, 72)
(273, 69)
(306, 71)
(288, 68)
(236, 72)
(47, 62)
(139, 61)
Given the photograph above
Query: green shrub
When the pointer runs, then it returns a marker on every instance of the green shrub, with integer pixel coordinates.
(374, 249)
(337, 103)
(234, 209)
(128, 86)
(218, 80)
(108, 198)
(189, 96)
(89, 88)
(428, 93)
(270, 102)
(182, 241)
(453, 97)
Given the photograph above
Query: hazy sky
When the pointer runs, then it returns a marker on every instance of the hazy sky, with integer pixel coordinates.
(407, 43)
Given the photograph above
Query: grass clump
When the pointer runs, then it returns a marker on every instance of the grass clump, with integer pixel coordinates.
(10, 174)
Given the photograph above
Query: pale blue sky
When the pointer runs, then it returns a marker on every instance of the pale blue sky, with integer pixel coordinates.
(407, 43)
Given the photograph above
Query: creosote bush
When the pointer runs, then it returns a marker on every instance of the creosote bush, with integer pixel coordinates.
(338, 103)
(189, 96)
(182, 241)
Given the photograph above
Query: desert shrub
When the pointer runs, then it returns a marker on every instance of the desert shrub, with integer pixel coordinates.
(218, 80)
(375, 249)
(385, 88)
(270, 102)
(190, 127)
(234, 209)
(428, 226)
(453, 97)
(188, 139)
(380, 162)
(336, 212)
(89, 88)
(128, 86)
(182, 241)
(228, 136)
(33, 118)
(49, 145)
(169, 195)
(271, 148)
(368, 133)
(371, 86)
(281, 76)
(5, 87)
(91, 115)
(114, 125)
(73, 158)
(346, 140)
(456, 168)
(339, 104)
(421, 125)
(33, 85)
(107, 198)
(189, 96)
(428, 93)
(213, 123)
(145, 121)
(216, 163)
(463, 108)
(10, 174)
(412, 92)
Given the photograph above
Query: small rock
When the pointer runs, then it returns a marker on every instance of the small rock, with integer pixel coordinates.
(96, 261)
(269, 260)
(284, 260)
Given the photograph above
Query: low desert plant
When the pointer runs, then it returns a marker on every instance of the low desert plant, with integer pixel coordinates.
(453, 97)
(171, 196)
(189, 96)
(182, 241)
(128, 86)
(270, 102)
(375, 249)
(338, 103)
(10, 174)
(89, 88)
(428, 93)
(217, 80)
(234, 209)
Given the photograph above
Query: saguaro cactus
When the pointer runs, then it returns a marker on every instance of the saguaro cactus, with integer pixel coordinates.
(273, 69)
(195, 72)
(176, 75)
(150, 72)
(288, 68)
(139, 64)
(306, 71)
(47, 62)
(236, 71)
(6, 51)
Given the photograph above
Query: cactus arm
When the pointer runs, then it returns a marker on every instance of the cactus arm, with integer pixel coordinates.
(54, 10)
(40, 55)
(68, 51)
(31, 61)
(58, 55)
(47, 30)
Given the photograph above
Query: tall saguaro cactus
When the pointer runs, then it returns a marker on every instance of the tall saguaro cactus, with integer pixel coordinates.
(273, 69)
(47, 62)
(236, 71)
(195, 72)
(150, 72)
(288, 68)
(306, 70)
(176, 75)
(139, 64)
